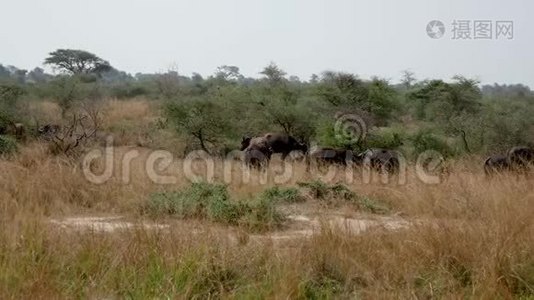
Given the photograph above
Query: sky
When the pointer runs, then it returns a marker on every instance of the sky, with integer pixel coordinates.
(369, 38)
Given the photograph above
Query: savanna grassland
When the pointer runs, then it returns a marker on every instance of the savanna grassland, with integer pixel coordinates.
(467, 237)
(168, 229)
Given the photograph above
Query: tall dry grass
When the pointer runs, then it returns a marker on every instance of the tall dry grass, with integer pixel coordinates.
(470, 236)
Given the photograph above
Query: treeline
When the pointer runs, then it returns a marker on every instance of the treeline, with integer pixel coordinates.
(454, 117)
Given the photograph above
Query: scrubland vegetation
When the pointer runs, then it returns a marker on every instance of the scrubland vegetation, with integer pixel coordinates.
(468, 236)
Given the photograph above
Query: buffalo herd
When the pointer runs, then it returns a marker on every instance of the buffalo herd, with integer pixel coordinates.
(517, 159)
(258, 151)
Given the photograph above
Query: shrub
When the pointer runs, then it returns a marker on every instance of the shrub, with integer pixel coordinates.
(200, 118)
(9, 112)
(282, 195)
(200, 200)
(8, 145)
(212, 201)
(388, 139)
(425, 140)
(339, 193)
(318, 189)
(371, 205)
(261, 215)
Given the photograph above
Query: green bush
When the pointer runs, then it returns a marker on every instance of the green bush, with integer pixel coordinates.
(262, 214)
(8, 145)
(212, 202)
(338, 193)
(200, 200)
(371, 205)
(318, 189)
(384, 138)
(282, 195)
(425, 140)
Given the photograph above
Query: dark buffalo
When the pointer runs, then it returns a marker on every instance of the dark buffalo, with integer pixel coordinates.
(332, 156)
(49, 131)
(18, 130)
(381, 159)
(258, 153)
(276, 142)
(496, 164)
(520, 158)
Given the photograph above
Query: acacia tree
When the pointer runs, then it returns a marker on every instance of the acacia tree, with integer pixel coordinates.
(228, 73)
(200, 118)
(77, 62)
(274, 74)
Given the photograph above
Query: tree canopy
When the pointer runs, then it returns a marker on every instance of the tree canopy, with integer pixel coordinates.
(77, 62)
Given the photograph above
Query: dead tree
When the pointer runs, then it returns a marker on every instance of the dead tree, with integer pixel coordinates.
(81, 128)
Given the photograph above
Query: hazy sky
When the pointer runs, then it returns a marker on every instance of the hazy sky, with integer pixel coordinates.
(368, 38)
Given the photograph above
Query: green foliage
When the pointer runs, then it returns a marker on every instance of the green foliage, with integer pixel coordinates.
(506, 124)
(347, 91)
(66, 90)
(9, 96)
(128, 90)
(282, 195)
(327, 136)
(385, 138)
(202, 119)
(425, 140)
(289, 116)
(8, 145)
(213, 113)
(438, 101)
(380, 100)
(273, 74)
(323, 288)
(261, 215)
(200, 200)
(77, 62)
(372, 205)
(212, 202)
(336, 194)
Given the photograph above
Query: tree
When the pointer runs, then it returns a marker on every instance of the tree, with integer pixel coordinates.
(408, 78)
(168, 84)
(9, 109)
(66, 90)
(38, 75)
(228, 73)
(200, 118)
(274, 74)
(347, 93)
(77, 62)
(314, 79)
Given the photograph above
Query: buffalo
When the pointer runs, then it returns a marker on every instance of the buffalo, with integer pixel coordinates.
(257, 153)
(18, 130)
(520, 158)
(517, 159)
(256, 158)
(381, 159)
(496, 164)
(332, 155)
(276, 142)
(49, 131)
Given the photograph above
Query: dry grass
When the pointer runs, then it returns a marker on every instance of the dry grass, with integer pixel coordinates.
(137, 110)
(472, 237)
(45, 111)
